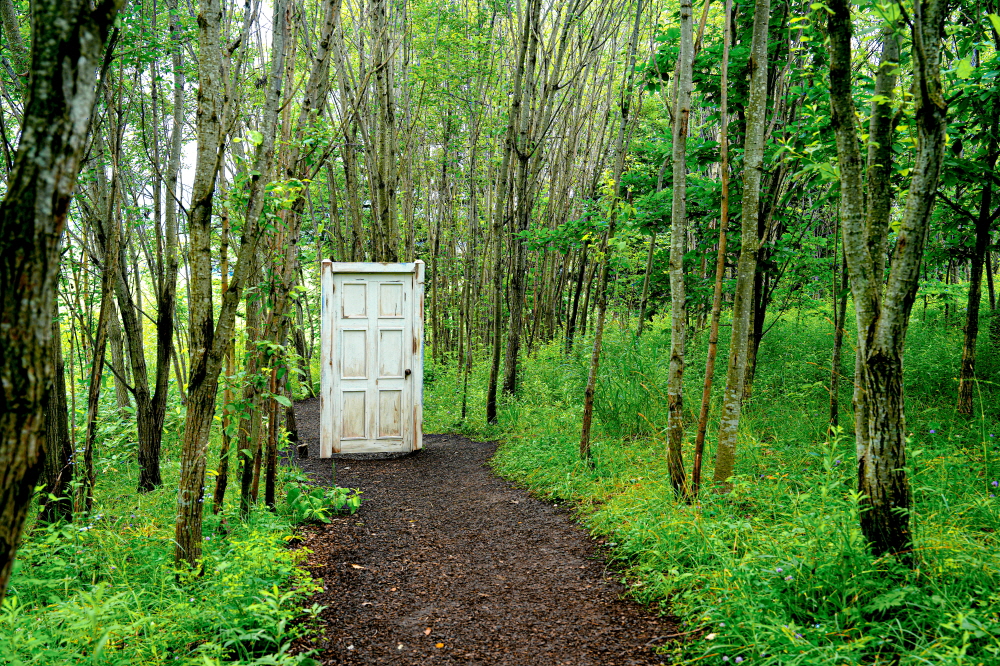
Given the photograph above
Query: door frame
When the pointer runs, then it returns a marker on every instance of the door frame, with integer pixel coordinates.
(329, 439)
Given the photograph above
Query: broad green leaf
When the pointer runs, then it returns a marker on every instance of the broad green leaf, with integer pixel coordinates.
(283, 400)
(995, 20)
(256, 138)
(965, 68)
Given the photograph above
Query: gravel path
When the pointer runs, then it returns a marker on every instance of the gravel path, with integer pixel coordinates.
(445, 563)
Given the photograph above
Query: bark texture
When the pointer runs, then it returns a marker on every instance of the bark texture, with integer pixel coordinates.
(68, 38)
(57, 501)
(882, 319)
(678, 246)
(746, 270)
(209, 340)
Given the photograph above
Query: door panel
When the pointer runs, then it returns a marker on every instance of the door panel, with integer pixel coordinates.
(390, 414)
(353, 415)
(390, 300)
(390, 353)
(354, 354)
(355, 300)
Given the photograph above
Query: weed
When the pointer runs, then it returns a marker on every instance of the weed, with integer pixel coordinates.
(776, 572)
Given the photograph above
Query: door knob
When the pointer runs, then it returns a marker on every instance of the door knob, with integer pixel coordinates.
(407, 373)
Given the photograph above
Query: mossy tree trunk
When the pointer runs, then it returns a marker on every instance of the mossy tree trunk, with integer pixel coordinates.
(68, 38)
(882, 314)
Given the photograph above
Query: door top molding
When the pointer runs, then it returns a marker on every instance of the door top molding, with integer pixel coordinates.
(372, 267)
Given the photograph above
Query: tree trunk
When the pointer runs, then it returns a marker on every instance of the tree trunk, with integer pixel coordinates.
(575, 308)
(56, 501)
(208, 340)
(110, 239)
(118, 364)
(523, 151)
(989, 280)
(502, 205)
(720, 260)
(967, 376)
(678, 246)
(602, 285)
(746, 270)
(385, 171)
(151, 435)
(645, 284)
(839, 320)
(67, 43)
(882, 320)
(271, 463)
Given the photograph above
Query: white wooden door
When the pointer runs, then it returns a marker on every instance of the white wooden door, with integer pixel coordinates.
(372, 358)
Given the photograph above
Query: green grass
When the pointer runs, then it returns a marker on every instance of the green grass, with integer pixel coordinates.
(776, 572)
(103, 590)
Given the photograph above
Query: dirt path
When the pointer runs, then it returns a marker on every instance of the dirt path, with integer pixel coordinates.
(447, 564)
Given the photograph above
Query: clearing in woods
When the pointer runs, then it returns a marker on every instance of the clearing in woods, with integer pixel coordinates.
(445, 563)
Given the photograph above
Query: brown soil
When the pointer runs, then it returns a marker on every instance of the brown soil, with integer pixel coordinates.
(445, 563)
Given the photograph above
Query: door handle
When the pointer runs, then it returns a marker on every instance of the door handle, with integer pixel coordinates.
(407, 373)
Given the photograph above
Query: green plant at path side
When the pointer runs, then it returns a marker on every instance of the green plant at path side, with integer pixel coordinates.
(319, 505)
(777, 572)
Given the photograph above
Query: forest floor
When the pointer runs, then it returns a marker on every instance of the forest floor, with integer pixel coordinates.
(446, 563)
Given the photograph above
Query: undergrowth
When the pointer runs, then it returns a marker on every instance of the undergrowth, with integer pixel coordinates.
(776, 572)
(103, 589)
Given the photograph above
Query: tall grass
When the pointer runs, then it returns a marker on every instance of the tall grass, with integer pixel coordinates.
(776, 572)
(103, 590)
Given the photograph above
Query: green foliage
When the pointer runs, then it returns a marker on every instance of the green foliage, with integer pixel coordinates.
(777, 572)
(103, 589)
(306, 504)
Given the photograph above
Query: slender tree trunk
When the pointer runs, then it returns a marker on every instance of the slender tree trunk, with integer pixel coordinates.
(645, 284)
(732, 397)
(248, 424)
(496, 329)
(151, 437)
(502, 205)
(271, 463)
(523, 151)
(575, 309)
(720, 260)
(348, 127)
(839, 321)
(678, 246)
(56, 501)
(118, 364)
(602, 285)
(967, 375)
(989, 280)
(385, 171)
(86, 492)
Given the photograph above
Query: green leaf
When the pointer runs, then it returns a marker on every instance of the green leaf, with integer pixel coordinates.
(283, 400)
(995, 20)
(965, 68)
(256, 138)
